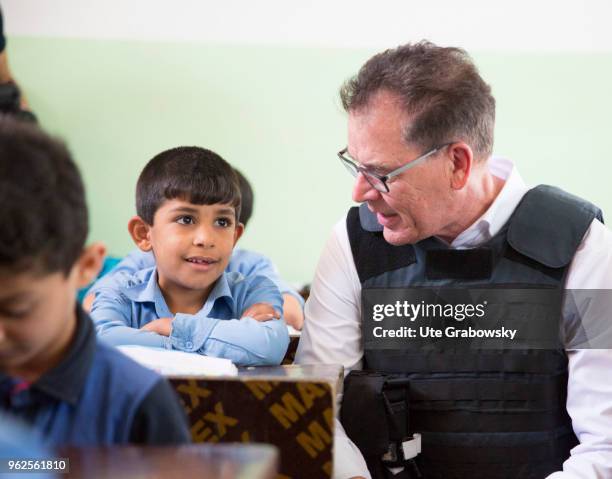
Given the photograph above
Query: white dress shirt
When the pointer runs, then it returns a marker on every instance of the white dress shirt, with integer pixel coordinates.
(332, 331)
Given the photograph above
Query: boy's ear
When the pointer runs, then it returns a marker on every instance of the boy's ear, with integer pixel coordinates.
(139, 231)
(238, 232)
(90, 263)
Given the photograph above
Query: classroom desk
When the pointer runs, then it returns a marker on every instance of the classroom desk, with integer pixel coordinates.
(204, 461)
(291, 407)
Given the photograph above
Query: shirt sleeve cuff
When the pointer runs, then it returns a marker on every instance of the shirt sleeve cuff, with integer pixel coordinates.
(190, 332)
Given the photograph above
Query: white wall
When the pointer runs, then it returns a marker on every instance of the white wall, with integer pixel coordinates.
(579, 25)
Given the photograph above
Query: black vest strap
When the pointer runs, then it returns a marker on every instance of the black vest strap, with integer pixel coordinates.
(372, 254)
(547, 227)
(467, 264)
(549, 224)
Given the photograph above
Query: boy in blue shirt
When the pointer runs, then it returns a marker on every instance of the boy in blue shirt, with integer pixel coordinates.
(54, 374)
(187, 203)
(243, 261)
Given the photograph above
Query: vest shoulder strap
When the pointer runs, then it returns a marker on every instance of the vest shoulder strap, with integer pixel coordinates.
(549, 224)
(371, 253)
(547, 227)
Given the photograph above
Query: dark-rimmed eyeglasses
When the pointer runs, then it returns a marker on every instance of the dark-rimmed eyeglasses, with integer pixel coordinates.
(379, 182)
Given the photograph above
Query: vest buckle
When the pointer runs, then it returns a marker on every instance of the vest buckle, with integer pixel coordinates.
(400, 452)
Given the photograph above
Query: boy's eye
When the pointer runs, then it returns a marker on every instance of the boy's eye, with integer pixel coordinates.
(15, 314)
(185, 220)
(223, 222)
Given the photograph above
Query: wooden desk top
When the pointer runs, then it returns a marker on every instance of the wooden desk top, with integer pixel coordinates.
(204, 461)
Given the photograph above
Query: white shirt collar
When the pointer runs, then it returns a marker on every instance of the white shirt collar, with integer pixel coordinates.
(491, 222)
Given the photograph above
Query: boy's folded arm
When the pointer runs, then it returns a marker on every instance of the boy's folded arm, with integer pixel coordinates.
(261, 312)
(244, 341)
(117, 335)
(111, 314)
(264, 267)
(293, 303)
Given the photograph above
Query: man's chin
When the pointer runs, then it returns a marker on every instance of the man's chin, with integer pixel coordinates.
(400, 237)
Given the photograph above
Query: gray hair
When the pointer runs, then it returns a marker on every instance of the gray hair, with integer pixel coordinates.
(439, 87)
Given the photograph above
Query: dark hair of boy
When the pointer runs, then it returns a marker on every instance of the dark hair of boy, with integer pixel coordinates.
(246, 192)
(43, 213)
(189, 173)
(53, 372)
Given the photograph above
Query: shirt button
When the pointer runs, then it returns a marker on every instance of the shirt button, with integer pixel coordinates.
(189, 345)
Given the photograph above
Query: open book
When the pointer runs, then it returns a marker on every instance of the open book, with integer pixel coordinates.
(179, 363)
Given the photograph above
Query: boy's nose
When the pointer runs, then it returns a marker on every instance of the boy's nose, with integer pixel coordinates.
(204, 236)
(364, 191)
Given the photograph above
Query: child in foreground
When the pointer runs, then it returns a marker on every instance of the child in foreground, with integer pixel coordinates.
(188, 203)
(54, 374)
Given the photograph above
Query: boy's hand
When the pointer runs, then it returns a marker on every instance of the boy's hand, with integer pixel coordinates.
(161, 326)
(261, 312)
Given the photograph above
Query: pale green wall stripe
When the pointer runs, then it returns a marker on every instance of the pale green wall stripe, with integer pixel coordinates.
(274, 113)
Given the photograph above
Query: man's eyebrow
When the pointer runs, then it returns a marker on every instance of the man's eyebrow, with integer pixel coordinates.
(375, 168)
(372, 167)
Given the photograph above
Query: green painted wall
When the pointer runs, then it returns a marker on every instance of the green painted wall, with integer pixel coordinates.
(274, 113)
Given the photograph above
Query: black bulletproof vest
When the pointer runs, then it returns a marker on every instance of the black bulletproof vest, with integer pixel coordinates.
(481, 414)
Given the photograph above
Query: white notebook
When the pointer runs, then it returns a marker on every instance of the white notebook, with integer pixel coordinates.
(179, 363)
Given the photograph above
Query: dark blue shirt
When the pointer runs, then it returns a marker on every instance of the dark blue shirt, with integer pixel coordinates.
(96, 396)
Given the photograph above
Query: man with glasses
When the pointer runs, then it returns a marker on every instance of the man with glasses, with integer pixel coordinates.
(437, 210)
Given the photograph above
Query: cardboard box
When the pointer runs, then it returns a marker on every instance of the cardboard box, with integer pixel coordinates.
(291, 407)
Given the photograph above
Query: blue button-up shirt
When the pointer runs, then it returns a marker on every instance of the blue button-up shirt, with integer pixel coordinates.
(131, 301)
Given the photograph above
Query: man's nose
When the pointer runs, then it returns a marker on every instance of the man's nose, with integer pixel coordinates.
(363, 191)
